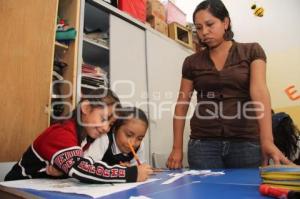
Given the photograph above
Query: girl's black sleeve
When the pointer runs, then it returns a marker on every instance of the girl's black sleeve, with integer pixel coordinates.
(72, 162)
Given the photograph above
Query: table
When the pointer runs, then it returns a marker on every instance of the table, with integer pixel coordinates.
(236, 183)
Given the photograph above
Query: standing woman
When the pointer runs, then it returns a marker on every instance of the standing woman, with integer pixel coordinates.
(231, 125)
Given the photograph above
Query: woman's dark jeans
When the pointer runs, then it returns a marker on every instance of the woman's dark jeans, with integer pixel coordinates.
(210, 154)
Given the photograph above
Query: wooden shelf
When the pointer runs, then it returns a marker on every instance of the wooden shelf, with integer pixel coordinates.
(96, 43)
(61, 46)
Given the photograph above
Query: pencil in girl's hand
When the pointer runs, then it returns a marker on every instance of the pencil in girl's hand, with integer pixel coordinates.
(134, 154)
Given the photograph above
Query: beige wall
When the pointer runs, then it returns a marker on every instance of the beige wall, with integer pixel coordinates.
(293, 111)
(278, 32)
(284, 70)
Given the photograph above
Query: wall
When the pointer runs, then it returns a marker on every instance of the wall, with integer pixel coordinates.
(278, 32)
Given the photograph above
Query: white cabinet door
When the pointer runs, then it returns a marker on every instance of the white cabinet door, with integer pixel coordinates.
(128, 65)
(165, 58)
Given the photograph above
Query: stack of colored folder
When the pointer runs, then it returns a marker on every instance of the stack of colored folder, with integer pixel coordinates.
(283, 176)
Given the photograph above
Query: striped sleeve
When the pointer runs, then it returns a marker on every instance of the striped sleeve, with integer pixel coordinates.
(72, 162)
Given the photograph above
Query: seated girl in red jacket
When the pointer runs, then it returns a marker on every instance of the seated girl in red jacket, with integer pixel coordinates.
(63, 144)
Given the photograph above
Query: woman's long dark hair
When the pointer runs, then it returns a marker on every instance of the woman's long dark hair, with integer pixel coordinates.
(218, 10)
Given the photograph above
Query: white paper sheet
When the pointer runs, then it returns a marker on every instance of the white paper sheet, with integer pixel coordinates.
(73, 186)
(139, 197)
(176, 176)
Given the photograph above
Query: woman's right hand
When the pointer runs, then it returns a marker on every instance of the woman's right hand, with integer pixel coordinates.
(144, 171)
(175, 159)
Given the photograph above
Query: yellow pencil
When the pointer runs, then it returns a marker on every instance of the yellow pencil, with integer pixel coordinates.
(134, 154)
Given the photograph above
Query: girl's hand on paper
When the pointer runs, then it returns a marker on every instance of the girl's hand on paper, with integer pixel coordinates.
(144, 171)
(52, 171)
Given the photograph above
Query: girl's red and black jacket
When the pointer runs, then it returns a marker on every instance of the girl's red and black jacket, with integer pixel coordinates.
(58, 146)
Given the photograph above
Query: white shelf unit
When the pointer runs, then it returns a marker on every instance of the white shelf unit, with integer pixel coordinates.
(141, 57)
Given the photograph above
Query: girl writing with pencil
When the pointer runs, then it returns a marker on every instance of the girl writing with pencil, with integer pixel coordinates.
(123, 144)
(61, 147)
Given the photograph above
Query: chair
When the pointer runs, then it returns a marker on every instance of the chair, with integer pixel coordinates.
(5, 168)
(159, 160)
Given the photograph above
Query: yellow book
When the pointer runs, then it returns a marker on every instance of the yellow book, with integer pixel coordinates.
(280, 176)
(282, 182)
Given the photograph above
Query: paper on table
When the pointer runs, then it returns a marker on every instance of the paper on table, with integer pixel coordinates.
(139, 197)
(176, 176)
(73, 186)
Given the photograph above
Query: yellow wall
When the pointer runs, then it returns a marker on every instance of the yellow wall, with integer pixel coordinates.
(293, 111)
(284, 71)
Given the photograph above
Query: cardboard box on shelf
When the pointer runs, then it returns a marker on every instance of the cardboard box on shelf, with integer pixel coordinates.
(156, 8)
(181, 34)
(158, 24)
(174, 14)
